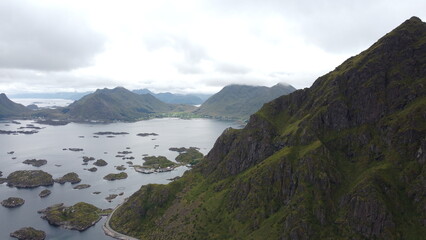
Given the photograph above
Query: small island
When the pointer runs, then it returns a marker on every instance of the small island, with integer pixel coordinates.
(53, 122)
(29, 179)
(79, 217)
(158, 162)
(81, 186)
(71, 177)
(76, 149)
(155, 164)
(120, 168)
(28, 233)
(111, 133)
(100, 163)
(111, 197)
(35, 162)
(44, 193)
(190, 156)
(13, 202)
(115, 176)
(92, 169)
(146, 134)
(86, 159)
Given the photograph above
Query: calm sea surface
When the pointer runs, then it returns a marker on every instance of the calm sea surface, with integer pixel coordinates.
(48, 144)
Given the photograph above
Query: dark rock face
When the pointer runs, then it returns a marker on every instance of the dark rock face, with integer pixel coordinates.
(28, 233)
(344, 159)
(29, 179)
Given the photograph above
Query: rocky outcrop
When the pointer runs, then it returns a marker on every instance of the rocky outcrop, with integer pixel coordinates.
(115, 176)
(81, 186)
(100, 163)
(79, 217)
(28, 233)
(71, 177)
(35, 162)
(13, 202)
(29, 179)
(44, 193)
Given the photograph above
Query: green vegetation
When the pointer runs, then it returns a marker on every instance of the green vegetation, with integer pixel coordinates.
(157, 162)
(71, 177)
(77, 217)
(120, 104)
(13, 202)
(238, 102)
(29, 233)
(344, 159)
(115, 176)
(190, 156)
(29, 179)
(9, 108)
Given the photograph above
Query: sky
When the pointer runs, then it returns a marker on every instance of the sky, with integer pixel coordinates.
(185, 46)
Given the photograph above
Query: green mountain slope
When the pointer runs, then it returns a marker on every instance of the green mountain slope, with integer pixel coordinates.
(9, 108)
(344, 159)
(173, 98)
(119, 104)
(240, 101)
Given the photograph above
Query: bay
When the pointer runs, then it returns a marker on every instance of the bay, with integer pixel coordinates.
(49, 143)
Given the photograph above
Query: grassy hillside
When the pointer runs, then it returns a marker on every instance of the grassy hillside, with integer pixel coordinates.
(9, 108)
(119, 104)
(240, 101)
(344, 159)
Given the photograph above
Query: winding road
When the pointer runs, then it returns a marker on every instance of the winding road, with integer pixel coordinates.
(110, 232)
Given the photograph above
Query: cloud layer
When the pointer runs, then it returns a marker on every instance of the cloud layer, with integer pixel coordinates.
(185, 46)
(42, 37)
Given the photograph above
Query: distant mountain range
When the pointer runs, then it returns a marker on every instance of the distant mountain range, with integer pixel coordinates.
(9, 108)
(191, 99)
(167, 97)
(233, 102)
(240, 101)
(119, 104)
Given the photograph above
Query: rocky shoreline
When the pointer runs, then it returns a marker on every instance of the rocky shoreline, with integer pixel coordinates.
(13, 202)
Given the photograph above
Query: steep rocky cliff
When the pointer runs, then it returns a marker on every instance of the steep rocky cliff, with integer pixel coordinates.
(344, 159)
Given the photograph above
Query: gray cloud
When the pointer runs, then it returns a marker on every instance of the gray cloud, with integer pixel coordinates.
(20, 80)
(340, 26)
(245, 80)
(192, 52)
(188, 68)
(45, 38)
(231, 68)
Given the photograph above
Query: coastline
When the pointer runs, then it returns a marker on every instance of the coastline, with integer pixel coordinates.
(111, 232)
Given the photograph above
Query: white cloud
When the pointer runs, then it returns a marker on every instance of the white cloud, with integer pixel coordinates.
(189, 45)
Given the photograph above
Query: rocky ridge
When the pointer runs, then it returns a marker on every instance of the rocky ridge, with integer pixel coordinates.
(343, 159)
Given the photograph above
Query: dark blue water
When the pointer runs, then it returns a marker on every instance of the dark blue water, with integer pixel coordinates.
(48, 144)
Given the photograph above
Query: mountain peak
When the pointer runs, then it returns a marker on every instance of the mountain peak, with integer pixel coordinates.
(414, 19)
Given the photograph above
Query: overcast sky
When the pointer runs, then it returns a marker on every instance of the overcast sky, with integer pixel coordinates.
(185, 46)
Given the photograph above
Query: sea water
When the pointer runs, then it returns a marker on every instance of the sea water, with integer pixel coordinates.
(49, 143)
